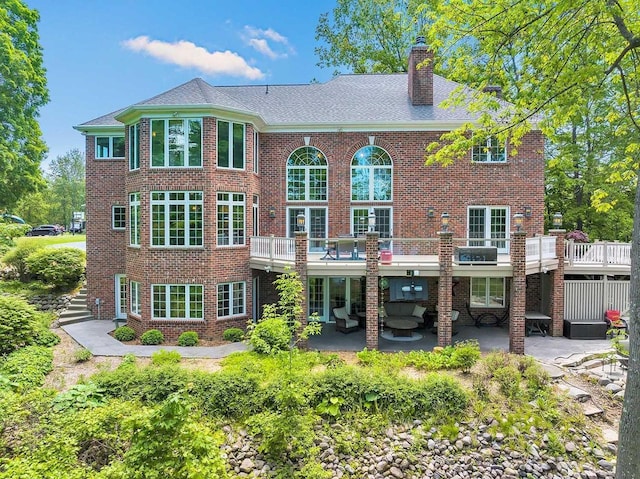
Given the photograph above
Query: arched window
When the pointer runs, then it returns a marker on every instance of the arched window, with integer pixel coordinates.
(307, 175)
(371, 175)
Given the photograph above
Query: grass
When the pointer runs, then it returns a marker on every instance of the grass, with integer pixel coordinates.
(51, 240)
(32, 288)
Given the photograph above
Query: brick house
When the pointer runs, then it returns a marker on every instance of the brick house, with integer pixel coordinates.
(195, 198)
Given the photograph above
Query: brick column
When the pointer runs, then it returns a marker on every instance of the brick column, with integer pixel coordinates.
(445, 283)
(301, 269)
(557, 286)
(372, 290)
(518, 292)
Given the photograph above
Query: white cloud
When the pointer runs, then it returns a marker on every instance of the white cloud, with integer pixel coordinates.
(189, 55)
(258, 39)
(261, 45)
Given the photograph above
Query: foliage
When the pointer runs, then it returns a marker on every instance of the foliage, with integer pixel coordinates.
(226, 395)
(45, 337)
(27, 367)
(188, 338)
(269, 335)
(124, 333)
(80, 396)
(9, 231)
(577, 236)
(466, 354)
(58, 266)
(163, 356)
(152, 337)
(18, 323)
(82, 355)
(66, 186)
(234, 335)
(17, 257)
(508, 379)
(23, 91)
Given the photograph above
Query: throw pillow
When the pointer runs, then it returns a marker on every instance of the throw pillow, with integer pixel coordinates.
(418, 311)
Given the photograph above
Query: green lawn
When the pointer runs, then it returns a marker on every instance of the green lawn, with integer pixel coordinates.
(49, 240)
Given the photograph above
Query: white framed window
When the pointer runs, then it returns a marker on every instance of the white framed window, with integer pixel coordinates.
(488, 150)
(231, 299)
(134, 147)
(316, 223)
(371, 175)
(230, 145)
(176, 143)
(231, 219)
(360, 221)
(487, 293)
(256, 152)
(134, 219)
(109, 147)
(177, 301)
(134, 286)
(307, 175)
(118, 217)
(489, 223)
(176, 218)
(256, 215)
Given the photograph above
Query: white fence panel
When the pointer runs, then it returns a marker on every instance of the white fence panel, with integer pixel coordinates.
(618, 295)
(590, 299)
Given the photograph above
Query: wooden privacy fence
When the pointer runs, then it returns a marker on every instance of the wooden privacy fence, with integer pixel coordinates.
(588, 300)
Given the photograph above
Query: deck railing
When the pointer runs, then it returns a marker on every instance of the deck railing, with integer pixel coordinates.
(600, 253)
(273, 248)
(540, 248)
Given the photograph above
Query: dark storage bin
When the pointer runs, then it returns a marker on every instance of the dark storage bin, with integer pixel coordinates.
(584, 329)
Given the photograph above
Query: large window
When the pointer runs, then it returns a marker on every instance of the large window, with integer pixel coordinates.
(230, 145)
(487, 293)
(489, 150)
(176, 143)
(134, 219)
(134, 146)
(488, 223)
(307, 175)
(135, 297)
(109, 147)
(177, 301)
(360, 221)
(231, 219)
(315, 223)
(118, 219)
(176, 218)
(371, 175)
(256, 152)
(231, 299)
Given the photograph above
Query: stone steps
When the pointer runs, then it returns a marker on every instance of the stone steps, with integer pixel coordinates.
(77, 310)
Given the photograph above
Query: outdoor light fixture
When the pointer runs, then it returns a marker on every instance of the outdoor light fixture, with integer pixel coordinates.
(444, 219)
(300, 221)
(272, 212)
(372, 221)
(431, 211)
(518, 219)
(527, 211)
(557, 220)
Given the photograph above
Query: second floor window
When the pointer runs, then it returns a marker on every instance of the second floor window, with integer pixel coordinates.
(489, 150)
(307, 175)
(176, 143)
(134, 146)
(231, 219)
(176, 218)
(371, 175)
(109, 147)
(134, 219)
(230, 145)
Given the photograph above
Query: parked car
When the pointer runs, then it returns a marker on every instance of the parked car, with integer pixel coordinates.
(44, 230)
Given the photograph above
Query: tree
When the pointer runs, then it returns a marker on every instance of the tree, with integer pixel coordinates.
(23, 91)
(368, 36)
(552, 57)
(67, 186)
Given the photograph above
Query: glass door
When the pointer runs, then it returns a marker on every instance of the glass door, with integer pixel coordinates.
(121, 296)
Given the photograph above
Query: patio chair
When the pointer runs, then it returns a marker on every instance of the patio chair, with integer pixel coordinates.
(487, 318)
(344, 322)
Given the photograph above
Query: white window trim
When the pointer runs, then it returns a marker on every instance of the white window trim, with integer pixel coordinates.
(376, 207)
(487, 226)
(134, 147)
(110, 157)
(307, 217)
(256, 151)
(167, 220)
(307, 178)
(231, 203)
(244, 146)
(134, 295)
(113, 217)
(185, 151)
(231, 305)
(134, 219)
(489, 153)
(487, 289)
(167, 302)
(371, 169)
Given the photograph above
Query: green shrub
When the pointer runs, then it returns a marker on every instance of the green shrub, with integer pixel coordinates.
(163, 356)
(508, 378)
(537, 378)
(124, 333)
(80, 396)
(58, 266)
(465, 355)
(188, 338)
(45, 337)
(226, 395)
(235, 335)
(17, 257)
(19, 322)
(82, 355)
(9, 231)
(152, 337)
(28, 366)
(270, 336)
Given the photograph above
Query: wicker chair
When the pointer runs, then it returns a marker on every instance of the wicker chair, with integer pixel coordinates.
(344, 322)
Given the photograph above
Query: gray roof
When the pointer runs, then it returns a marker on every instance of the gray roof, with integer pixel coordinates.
(346, 99)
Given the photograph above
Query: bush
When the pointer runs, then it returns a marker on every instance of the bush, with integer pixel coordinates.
(45, 337)
(508, 378)
(28, 366)
(58, 266)
(227, 395)
(18, 323)
(465, 355)
(17, 257)
(270, 336)
(165, 357)
(124, 333)
(82, 355)
(152, 337)
(188, 338)
(235, 335)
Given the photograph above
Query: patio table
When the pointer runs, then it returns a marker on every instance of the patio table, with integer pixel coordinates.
(536, 322)
(401, 327)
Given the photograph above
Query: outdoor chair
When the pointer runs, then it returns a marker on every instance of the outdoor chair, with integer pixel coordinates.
(344, 322)
(487, 318)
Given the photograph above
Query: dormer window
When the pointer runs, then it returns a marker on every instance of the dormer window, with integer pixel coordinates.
(489, 150)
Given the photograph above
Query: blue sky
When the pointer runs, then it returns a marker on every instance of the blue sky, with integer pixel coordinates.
(103, 55)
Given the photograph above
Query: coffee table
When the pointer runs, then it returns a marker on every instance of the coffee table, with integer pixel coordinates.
(401, 327)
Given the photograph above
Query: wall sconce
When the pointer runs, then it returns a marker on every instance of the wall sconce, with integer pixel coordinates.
(300, 221)
(272, 212)
(444, 221)
(431, 212)
(557, 220)
(527, 211)
(372, 220)
(518, 219)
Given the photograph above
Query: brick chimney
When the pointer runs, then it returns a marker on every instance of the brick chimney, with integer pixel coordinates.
(420, 80)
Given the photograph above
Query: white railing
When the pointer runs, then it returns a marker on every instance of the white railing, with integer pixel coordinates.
(273, 248)
(603, 253)
(541, 247)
